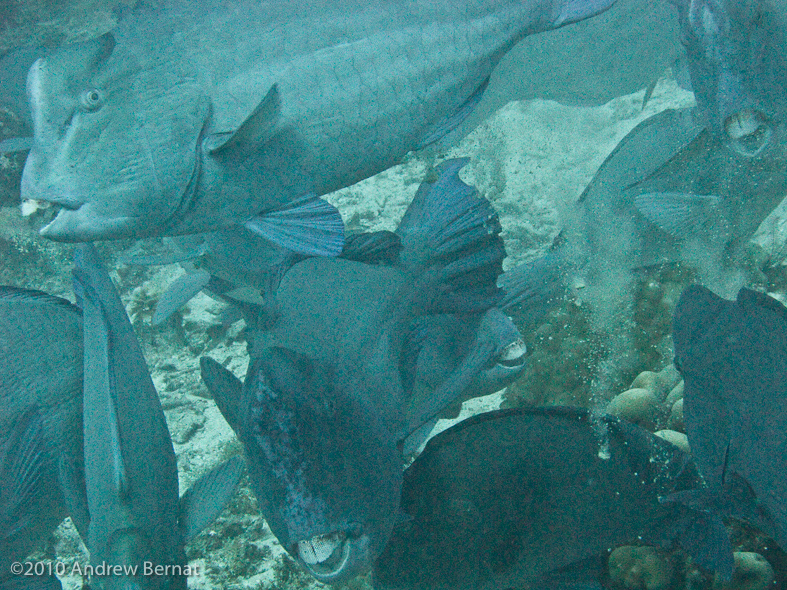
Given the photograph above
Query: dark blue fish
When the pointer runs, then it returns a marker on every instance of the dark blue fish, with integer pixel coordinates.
(536, 497)
(733, 358)
(131, 477)
(350, 357)
(40, 421)
(696, 183)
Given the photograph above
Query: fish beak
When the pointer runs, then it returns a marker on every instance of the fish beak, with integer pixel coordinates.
(513, 355)
(80, 223)
(748, 132)
(30, 206)
(333, 557)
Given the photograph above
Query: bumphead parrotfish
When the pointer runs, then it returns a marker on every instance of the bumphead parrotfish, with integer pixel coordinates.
(40, 421)
(349, 358)
(733, 358)
(195, 115)
(696, 183)
(517, 497)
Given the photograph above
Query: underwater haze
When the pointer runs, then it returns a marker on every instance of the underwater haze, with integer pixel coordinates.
(612, 189)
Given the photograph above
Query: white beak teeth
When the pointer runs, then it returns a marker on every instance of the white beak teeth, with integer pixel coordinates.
(318, 548)
(513, 353)
(742, 124)
(30, 206)
(749, 132)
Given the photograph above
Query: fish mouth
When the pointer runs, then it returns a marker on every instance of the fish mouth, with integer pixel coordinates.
(513, 355)
(748, 132)
(76, 221)
(325, 556)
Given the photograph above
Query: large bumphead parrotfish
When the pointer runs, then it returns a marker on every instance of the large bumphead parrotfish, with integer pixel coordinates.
(733, 358)
(696, 183)
(40, 421)
(351, 357)
(131, 477)
(535, 497)
(196, 115)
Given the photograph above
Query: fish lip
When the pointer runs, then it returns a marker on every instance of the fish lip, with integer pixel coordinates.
(69, 203)
(78, 222)
(748, 132)
(334, 567)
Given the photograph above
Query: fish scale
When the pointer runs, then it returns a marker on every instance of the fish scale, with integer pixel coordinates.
(268, 101)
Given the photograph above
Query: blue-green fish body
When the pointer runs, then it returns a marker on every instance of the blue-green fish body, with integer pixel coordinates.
(196, 115)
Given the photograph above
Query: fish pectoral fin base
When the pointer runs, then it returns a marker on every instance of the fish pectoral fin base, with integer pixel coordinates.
(225, 388)
(181, 291)
(308, 226)
(257, 129)
(203, 501)
(451, 241)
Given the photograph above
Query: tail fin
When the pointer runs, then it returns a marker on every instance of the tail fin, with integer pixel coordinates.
(451, 236)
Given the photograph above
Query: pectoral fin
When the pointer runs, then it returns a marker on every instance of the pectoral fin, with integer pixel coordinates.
(253, 132)
(308, 226)
(203, 501)
(179, 293)
(681, 215)
(225, 388)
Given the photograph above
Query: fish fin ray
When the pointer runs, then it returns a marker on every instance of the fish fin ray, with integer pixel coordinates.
(24, 466)
(309, 226)
(443, 129)
(205, 500)
(451, 237)
(483, 348)
(681, 215)
(532, 289)
(380, 247)
(38, 297)
(180, 292)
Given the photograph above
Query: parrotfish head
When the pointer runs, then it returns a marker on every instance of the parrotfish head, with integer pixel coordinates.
(733, 47)
(115, 143)
(506, 350)
(326, 472)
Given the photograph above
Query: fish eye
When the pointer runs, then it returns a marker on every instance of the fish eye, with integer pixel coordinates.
(92, 99)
